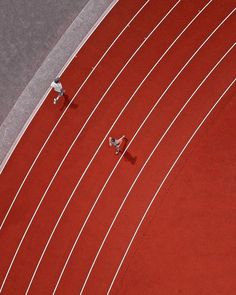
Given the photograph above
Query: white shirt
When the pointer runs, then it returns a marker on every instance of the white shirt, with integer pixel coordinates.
(57, 86)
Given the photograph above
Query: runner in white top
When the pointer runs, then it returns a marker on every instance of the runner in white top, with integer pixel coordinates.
(56, 85)
(116, 143)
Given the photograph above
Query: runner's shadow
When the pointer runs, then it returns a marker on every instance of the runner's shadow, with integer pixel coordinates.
(66, 102)
(127, 155)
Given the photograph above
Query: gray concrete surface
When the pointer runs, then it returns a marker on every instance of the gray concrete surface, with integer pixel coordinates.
(33, 52)
(29, 29)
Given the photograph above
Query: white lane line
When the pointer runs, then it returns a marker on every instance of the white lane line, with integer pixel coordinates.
(91, 31)
(36, 210)
(162, 183)
(94, 157)
(49, 136)
(144, 165)
(149, 35)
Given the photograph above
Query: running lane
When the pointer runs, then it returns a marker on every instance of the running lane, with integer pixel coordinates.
(187, 242)
(94, 183)
(140, 197)
(23, 202)
(93, 187)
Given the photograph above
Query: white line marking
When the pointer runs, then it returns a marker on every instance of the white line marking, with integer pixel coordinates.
(97, 152)
(144, 165)
(162, 183)
(150, 34)
(49, 136)
(74, 55)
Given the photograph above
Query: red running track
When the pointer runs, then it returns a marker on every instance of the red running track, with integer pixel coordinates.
(185, 243)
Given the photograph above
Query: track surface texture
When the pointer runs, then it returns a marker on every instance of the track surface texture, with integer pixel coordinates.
(159, 217)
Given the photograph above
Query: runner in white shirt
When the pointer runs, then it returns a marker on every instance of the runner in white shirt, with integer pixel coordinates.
(56, 85)
(116, 143)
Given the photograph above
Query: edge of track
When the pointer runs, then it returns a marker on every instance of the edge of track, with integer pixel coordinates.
(60, 118)
(39, 104)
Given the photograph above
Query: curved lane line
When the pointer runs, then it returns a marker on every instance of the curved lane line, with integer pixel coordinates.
(96, 154)
(36, 210)
(49, 136)
(163, 182)
(144, 165)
